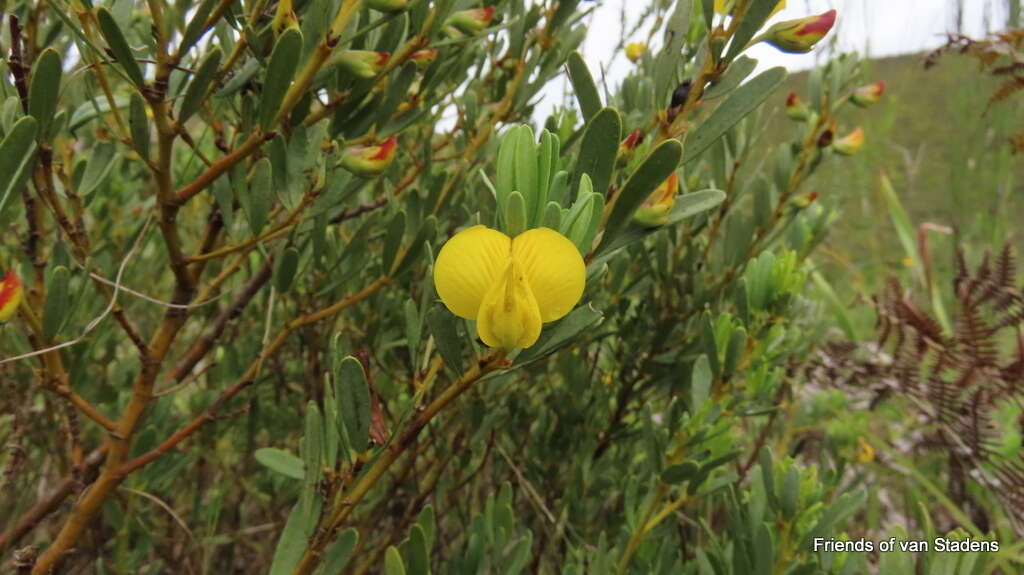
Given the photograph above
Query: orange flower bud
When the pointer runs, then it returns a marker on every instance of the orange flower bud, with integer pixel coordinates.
(423, 58)
(656, 208)
(800, 35)
(470, 21)
(867, 95)
(10, 295)
(370, 161)
(849, 144)
(362, 63)
(628, 146)
(795, 108)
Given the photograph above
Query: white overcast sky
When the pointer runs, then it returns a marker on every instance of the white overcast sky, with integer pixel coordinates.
(874, 28)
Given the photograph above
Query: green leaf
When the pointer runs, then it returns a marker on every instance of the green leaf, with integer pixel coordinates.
(261, 195)
(197, 89)
(90, 109)
(354, 396)
(293, 541)
(560, 333)
(98, 168)
(392, 241)
(427, 522)
(751, 21)
(736, 73)
(16, 154)
(598, 149)
(416, 246)
(284, 61)
(418, 552)
(281, 461)
(393, 562)
(446, 337)
(119, 46)
(835, 305)
(138, 123)
(515, 214)
(679, 473)
(743, 101)
(284, 269)
(790, 492)
(44, 90)
(340, 551)
(836, 513)
(583, 85)
(700, 382)
(55, 310)
(657, 166)
(196, 26)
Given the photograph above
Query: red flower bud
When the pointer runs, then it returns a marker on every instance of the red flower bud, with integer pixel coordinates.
(867, 95)
(370, 161)
(800, 35)
(10, 295)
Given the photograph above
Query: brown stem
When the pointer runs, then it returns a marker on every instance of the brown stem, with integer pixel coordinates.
(219, 167)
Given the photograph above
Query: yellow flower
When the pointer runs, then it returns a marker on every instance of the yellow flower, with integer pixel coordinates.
(634, 50)
(10, 295)
(510, 286)
(865, 453)
(721, 8)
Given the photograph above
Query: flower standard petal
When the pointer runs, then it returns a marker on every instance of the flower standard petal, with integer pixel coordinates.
(554, 269)
(509, 317)
(469, 264)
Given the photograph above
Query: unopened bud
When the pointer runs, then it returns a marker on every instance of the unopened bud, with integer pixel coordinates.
(656, 208)
(628, 147)
(795, 107)
(868, 95)
(423, 58)
(10, 295)
(800, 35)
(634, 50)
(370, 161)
(361, 63)
(849, 144)
(471, 21)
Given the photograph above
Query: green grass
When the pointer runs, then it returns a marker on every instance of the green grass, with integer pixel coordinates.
(948, 160)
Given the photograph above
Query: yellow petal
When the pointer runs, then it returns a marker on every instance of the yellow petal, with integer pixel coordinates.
(554, 269)
(468, 266)
(509, 317)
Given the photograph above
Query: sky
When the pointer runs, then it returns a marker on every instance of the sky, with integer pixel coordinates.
(874, 28)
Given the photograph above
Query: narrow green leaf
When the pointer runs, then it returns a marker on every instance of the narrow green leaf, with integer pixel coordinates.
(119, 46)
(418, 552)
(196, 26)
(559, 333)
(661, 162)
(392, 241)
(339, 552)
(354, 396)
(751, 21)
(700, 382)
(584, 86)
(736, 73)
(98, 168)
(16, 153)
(293, 541)
(284, 269)
(446, 337)
(679, 473)
(743, 101)
(138, 123)
(416, 246)
(284, 61)
(598, 149)
(197, 89)
(55, 310)
(515, 214)
(44, 90)
(261, 195)
(281, 461)
(393, 564)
